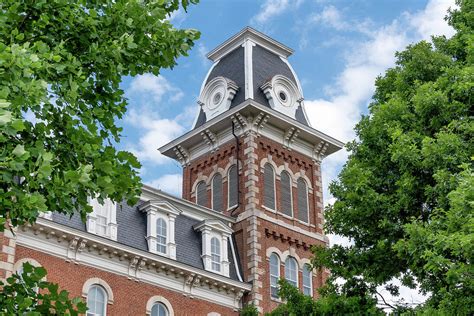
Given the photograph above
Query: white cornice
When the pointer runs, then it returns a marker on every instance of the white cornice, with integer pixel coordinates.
(256, 37)
(74, 245)
(308, 138)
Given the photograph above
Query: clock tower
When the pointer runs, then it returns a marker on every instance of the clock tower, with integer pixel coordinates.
(253, 155)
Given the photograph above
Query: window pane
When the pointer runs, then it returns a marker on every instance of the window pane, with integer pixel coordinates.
(307, 280)
(159, 309)
(217, 194)
(101, 225)
(285, 183)
(96, 301)
(291, 271)
(269, 187)
(161, 235)
(274, 274)
(232, 183)
(215, 254)
(201, 194)
(302, 201)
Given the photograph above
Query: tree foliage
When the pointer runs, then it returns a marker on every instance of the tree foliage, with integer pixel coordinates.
(405, 195)
(61, 63)
(28, 294)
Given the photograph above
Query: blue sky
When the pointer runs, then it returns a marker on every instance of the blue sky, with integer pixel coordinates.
(340, 48)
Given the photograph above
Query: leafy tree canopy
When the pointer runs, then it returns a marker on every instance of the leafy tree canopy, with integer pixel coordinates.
(61, 63)
(28, 294)
(405, 196)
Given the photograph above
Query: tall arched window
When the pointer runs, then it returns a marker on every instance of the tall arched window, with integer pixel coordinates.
(161, 235)
(217, 194)
(201, 194)
(302, 200)
(269, 187)
(232, 186)
(96, 301)
(285, 195)
(215, 254)
(274, 274)
(307, 280)
(159, 309)
(291, 271)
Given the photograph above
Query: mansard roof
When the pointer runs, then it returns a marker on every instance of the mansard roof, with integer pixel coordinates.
(249, 66)
(132, 227)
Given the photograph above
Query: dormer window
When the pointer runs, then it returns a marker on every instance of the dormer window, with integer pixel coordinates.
(103, 219)
(160, 236)
(215, 238)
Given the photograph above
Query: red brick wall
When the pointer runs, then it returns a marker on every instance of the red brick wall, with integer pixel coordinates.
(130, 297)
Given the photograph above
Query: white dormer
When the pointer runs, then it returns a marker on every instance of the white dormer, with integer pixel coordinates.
(283, 95)
(160, 236)
(215, 238)
(103, 219)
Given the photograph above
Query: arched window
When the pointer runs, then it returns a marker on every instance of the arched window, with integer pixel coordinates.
(96, 301)
(269, 187)
(161, 235)
(232, 185)
(201, 194)
(274, 274)
(159, 309)
(215, 254)
(291, 271)
(217, 194)
(307, 280)
(302, 201)
(285, 195)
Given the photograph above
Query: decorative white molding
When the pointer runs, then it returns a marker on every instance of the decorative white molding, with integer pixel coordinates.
(283, 95)
(290, 136)
(141, 266)
(156, 209)
(248, 68)
(108, 210)
(159, 299)
(98, 281)
(319, 151)
(210, 139)
(182, 154)
(255, 36)
(210, 229)
(217, 96)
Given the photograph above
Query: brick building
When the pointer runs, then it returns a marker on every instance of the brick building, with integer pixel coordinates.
(251, 205)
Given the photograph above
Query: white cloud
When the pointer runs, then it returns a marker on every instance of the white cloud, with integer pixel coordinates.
(169, 183)
(430, 21)
(154, 86)
(270, 9)
(155, 133)
(202, 52)
(330, 16)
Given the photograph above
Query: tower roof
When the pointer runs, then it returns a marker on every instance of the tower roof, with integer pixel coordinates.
(251, 65)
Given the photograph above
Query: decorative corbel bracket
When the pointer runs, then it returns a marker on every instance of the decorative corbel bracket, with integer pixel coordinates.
(182, 154)
(320, 151)
(290, 137)
(210, 139)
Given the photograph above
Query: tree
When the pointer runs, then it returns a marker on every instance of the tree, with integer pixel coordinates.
(29, 294)
(61, 63)
(404, 197)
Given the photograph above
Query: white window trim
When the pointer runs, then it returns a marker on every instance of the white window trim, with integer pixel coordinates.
(104, 310)
(210, 229)
(158, 299)
(219, 254)
(166, 211)
(97, 281)
(111, 218)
